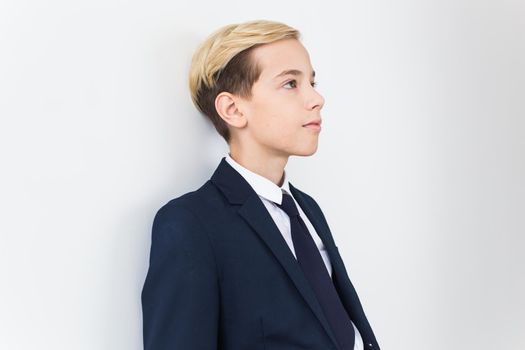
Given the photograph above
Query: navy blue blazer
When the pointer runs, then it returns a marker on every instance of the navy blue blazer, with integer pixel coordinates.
(221, 275)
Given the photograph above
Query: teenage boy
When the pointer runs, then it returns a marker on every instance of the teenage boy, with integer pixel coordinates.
(247, 261)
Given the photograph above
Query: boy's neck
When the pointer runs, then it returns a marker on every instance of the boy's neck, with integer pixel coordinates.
(270, 167)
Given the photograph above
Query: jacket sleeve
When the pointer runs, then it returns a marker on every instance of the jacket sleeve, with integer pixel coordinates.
(180, 297)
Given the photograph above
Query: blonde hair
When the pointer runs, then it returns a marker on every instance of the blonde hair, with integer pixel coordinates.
(223, 63)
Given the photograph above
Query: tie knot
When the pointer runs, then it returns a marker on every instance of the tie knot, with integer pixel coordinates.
(288, 205)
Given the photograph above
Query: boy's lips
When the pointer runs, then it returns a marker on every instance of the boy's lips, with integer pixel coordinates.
(314, 125)
(314, 122)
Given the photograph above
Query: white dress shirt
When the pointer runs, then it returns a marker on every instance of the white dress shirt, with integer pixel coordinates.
(270, 193)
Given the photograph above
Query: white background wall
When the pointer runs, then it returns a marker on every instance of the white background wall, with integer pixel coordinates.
(420, 169)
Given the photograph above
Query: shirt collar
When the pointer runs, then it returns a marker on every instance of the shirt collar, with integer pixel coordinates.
(261, 185)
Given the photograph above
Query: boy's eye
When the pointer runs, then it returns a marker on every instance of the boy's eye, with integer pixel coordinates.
(292, 82)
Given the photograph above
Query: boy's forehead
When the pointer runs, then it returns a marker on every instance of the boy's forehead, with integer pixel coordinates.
(283, 57)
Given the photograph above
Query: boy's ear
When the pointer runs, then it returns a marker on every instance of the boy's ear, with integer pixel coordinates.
(227, 107)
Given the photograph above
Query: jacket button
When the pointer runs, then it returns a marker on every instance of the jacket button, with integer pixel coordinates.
(370, 345)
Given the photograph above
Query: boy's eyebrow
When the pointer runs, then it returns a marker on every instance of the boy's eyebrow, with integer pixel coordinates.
(292, 72)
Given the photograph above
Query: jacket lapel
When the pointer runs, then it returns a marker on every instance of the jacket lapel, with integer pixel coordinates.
(345, 290)
(252, 210)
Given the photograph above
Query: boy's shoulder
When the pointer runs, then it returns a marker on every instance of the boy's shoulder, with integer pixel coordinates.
(197, 199)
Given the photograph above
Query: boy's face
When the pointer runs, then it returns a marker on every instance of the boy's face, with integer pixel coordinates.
(283, 103)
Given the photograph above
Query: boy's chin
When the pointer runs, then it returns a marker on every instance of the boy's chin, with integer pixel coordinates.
(306, 152)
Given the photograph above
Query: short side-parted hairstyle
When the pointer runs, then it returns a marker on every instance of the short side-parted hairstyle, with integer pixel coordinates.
(223, 63)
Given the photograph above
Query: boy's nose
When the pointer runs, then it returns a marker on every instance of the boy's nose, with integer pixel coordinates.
(316, 100)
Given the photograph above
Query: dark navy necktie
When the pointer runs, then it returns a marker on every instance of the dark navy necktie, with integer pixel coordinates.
(314, 269)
